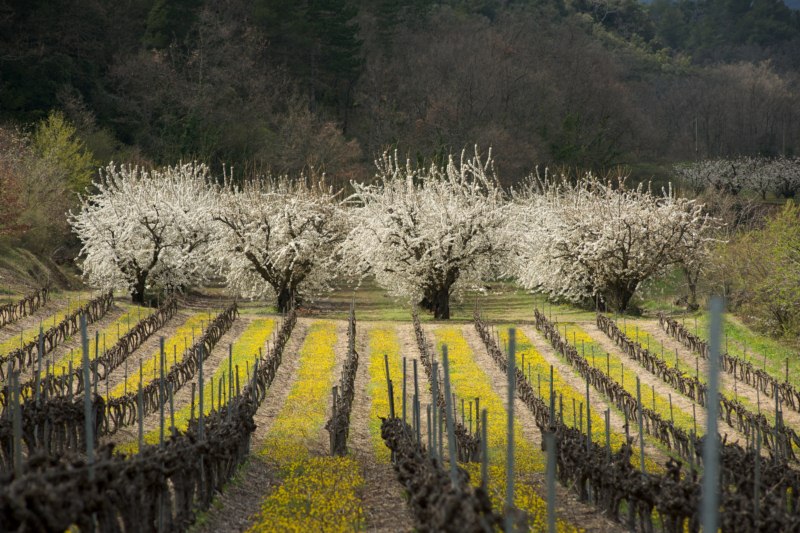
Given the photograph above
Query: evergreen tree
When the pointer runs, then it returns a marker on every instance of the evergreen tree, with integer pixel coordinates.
(169, 21)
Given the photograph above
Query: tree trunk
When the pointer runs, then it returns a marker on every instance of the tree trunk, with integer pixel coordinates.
(440, 304)
(437, 301)
(618, 296)
(691, 284)
(286, 298)
(137, 295)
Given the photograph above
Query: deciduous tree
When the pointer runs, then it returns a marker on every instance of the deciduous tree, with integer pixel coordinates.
(427, 232)
(146, 228)
(277, 237)
(598, 241)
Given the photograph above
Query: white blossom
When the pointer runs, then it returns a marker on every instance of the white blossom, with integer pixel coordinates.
(780, 176)
(277, 238)
(145, 228)
(426, 233)
(592, 240)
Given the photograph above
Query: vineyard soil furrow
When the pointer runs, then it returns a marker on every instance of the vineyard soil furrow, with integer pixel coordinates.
(55, 303)
(567, 505)
(732, 388)
(117, 376)
(236, 507)
(649, 381)
(282, 385)
(58, 314)
(183, 397)
(382, 499)
(71, 348)
(408, 347)
(569, 376)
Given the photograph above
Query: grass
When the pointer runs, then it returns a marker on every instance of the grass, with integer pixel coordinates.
(500, 301)
(612, 365)
(538, 368)
(762, 351)
(648, 341)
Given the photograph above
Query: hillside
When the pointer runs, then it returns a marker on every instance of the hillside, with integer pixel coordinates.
(328, 85)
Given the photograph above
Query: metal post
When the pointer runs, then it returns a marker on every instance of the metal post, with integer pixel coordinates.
(710, 490)
(550, 447)
(39, 356)
(171, 408)
(416, 402)
(87, 399)
(451, 436)
(552, 399)
(161, 394)
(16, 409)
(484, 450)
(435, 403)
(200, 413)
(757, 476)
(588, 420)
(671, 417)
(404, 390)
(641, 423)
(608, 433)
(430, 432)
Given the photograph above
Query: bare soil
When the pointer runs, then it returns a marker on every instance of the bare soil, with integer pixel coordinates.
(568, 375)
(382, 498)
(567, 505)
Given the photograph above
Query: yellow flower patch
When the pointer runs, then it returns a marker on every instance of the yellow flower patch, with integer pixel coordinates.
(245, 352)
(383, 340)
(304, 412)
(469, 381)
(174, 348)
(317, 494)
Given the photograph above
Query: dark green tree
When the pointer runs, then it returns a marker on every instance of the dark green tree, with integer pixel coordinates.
(169, 21)
(317, 41)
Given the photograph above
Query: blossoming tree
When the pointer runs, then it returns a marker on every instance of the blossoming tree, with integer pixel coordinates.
(145, 228)
(592, 241)
(425, 233)
(277, 237)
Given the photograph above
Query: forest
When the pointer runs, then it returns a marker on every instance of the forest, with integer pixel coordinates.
(327, 85)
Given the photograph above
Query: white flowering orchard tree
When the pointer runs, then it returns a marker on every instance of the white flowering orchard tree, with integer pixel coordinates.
(592, 241)
(277, 237)
(145, 228)
(785, 174)
(425, 233)
(780, 176)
